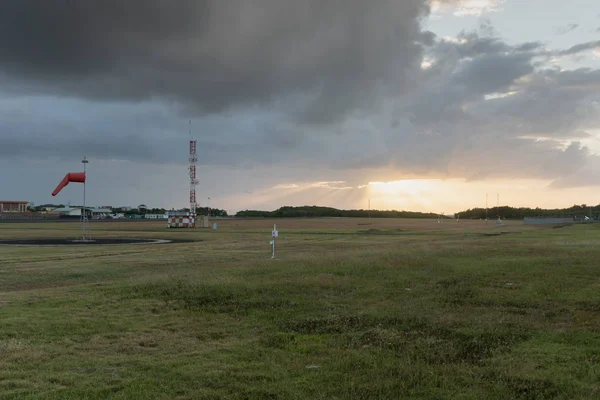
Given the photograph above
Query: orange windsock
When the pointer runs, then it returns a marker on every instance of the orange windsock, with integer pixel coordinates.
(78, 177)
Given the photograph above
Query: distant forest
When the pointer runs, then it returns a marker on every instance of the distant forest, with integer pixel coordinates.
(316, 211)
(579, 211)
(504, 212)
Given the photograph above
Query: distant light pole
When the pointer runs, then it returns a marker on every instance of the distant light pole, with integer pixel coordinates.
(486, 208)
(209, 207)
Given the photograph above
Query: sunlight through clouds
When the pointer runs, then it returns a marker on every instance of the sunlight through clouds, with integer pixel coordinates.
(463, 8)
(492, 91)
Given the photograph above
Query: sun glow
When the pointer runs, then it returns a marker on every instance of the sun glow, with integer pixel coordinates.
(425, 195)
(412, 186)
(404, 194)
(451, 195)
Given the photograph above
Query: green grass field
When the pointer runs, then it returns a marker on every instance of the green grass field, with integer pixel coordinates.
(349, 309)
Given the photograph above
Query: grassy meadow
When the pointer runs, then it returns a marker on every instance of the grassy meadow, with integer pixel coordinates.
(349, 309)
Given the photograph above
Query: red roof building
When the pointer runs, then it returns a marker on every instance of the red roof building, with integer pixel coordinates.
(13, 206)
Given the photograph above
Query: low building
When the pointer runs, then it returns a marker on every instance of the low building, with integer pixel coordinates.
(177, 213)
(68, 211)
(156, 216)
(92, 213)
(13, 206)
(100, 213)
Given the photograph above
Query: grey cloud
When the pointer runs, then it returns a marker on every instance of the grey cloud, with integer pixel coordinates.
(212, 54)
(441, 127)
(458, 132)
(551, 104)
(585, 78)
(472, 44)
(486, 28)
(584, 177)
(579, 48)
(464, 71)
(437, 125)
(566, 29)
(529, 46)
(491, 73)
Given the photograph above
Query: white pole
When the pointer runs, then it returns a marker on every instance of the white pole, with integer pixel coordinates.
(273, 236)
(486, 208)
(84, 213)
(499, 222)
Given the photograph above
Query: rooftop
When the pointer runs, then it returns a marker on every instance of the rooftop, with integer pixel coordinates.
(101, 210)
(64, 209)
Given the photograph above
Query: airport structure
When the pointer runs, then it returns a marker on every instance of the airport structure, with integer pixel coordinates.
(175, 220)
(181, 219)
(13, 206)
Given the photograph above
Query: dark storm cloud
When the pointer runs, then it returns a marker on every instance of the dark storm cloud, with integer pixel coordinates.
(212, 54)
(476, 112)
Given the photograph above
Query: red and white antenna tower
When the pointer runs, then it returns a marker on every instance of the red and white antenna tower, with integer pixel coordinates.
(193, 180)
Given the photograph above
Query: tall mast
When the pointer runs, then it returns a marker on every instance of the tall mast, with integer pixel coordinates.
(192, 169)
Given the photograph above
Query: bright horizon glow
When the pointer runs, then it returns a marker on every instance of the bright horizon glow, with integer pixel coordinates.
(446, 196)
(454, 195)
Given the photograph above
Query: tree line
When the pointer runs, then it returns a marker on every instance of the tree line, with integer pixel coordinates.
(576, 211)
(504, 212)
(214, 212)
(316, 211)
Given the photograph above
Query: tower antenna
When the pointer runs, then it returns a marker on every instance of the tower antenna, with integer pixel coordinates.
(193, 181)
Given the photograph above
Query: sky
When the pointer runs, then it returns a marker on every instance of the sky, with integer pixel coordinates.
(424, 105)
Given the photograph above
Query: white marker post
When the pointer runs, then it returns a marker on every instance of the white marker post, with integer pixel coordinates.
(274, 234)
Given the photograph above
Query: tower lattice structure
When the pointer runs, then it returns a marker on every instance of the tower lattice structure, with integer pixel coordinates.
(193, 181)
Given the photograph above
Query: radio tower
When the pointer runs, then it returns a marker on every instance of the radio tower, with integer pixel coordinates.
(193, 180)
